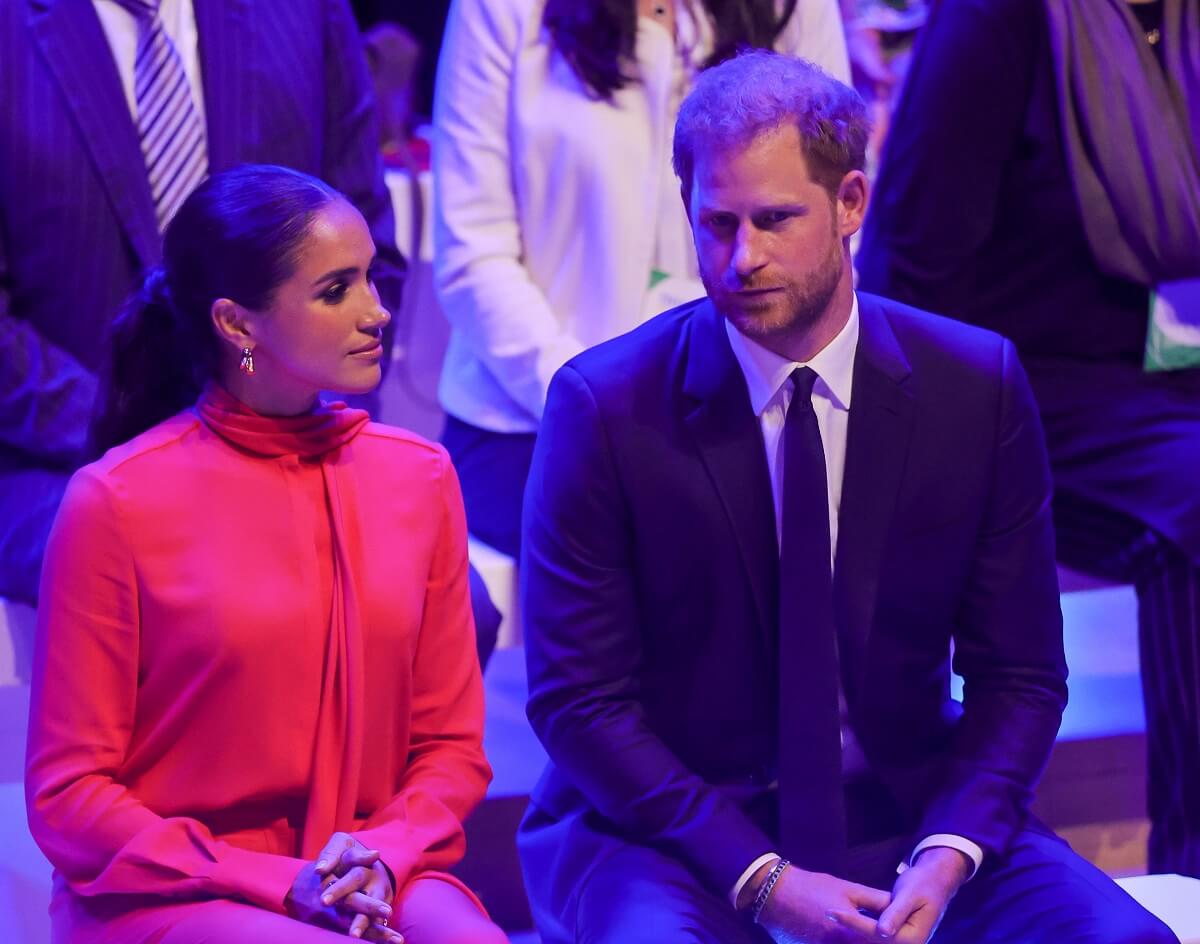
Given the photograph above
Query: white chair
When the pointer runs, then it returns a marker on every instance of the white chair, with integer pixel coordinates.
(16, 623)
(24, 874)
(1174, 898)
(499, 573)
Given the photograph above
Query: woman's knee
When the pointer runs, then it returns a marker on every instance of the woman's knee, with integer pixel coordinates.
(434, 910)
(483, 932)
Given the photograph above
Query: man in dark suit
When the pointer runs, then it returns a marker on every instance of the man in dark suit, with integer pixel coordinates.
(755, 531)
(282, 83)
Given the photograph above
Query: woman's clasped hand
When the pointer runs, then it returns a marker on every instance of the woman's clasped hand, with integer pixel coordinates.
(347, 888)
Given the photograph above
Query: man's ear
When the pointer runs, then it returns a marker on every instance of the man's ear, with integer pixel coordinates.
(853, 194)
(234, 324)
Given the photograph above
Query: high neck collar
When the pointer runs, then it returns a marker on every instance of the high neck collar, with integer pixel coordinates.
(308, 435)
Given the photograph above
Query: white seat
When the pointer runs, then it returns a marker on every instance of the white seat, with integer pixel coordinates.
(16, 622)
(1175, 899)
(24, 871)
(499, 573)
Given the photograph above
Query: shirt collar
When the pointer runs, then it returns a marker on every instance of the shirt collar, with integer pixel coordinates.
(766, 372)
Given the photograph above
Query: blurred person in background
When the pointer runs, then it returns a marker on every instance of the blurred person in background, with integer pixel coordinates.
(879, 39)
(257, 714)
(558, 222)
(424, 22)
(111, 111)
(1042, 179)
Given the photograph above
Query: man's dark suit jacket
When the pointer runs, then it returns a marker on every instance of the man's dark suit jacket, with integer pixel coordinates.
(284, 83)
(649, 583)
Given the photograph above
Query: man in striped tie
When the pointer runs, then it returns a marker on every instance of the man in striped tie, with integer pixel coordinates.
(169, 125)
(111, 111)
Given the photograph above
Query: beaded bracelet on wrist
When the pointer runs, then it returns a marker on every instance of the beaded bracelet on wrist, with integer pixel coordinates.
(764, 891)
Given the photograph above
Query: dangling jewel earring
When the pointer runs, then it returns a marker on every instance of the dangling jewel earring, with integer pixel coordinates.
(247, 364)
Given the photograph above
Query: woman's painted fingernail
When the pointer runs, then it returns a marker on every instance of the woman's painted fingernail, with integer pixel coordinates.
(322, 864)
(327, 899)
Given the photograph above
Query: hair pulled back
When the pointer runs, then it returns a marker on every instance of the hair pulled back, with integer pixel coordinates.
(237, 236)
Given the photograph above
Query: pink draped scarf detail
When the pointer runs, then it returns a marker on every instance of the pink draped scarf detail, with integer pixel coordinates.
(319, 436)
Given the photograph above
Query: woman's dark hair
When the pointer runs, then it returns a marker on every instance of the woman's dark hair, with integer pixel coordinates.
(237, 236)
(597, 37)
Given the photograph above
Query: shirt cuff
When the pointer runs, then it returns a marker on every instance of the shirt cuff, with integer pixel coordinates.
(749, 873)
(949, 841)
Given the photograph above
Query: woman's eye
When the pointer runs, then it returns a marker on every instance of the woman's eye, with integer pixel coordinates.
(335, 293)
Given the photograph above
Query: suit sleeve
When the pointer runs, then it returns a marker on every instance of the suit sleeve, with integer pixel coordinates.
(350, 153)
(98, 834)
(584, 645)
(949, 145)
(484, 287)
(1008, 639)
(446, 775)
(46, 395)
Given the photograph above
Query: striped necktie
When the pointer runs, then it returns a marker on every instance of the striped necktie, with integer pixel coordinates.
(169, 124)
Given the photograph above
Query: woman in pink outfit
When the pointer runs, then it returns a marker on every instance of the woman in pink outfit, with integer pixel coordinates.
(257, 709)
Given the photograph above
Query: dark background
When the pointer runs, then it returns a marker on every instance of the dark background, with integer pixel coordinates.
(425, 19)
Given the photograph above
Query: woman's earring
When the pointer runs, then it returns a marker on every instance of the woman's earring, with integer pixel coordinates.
(247, 364)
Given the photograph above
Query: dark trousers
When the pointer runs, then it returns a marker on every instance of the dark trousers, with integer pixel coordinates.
(1107, 544)
(1040, 893)
(29, 498)
(492, 469)
(1125, 449)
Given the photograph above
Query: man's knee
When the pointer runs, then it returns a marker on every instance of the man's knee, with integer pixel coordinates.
(643, 897)
(1138, 927)
(1117, 918)
(641, 934)
(637, 919)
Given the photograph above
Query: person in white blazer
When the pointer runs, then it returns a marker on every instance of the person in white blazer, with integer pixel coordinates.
(558, 221)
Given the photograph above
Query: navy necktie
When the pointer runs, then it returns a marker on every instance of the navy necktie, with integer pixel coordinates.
(169, 123)
(812, 816)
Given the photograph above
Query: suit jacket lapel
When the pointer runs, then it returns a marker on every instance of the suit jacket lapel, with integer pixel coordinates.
(77, 52)
(878, 436)
(729, 440)
(229, 70)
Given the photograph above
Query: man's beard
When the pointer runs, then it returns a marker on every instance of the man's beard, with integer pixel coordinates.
(804, 302)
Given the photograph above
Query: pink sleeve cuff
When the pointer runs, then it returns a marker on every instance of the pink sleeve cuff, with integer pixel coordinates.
(259, 878)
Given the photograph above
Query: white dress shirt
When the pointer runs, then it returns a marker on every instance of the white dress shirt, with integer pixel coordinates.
(121, 31)
(768, 381)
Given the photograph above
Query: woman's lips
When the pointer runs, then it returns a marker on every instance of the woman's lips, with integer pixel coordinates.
(370, 351)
